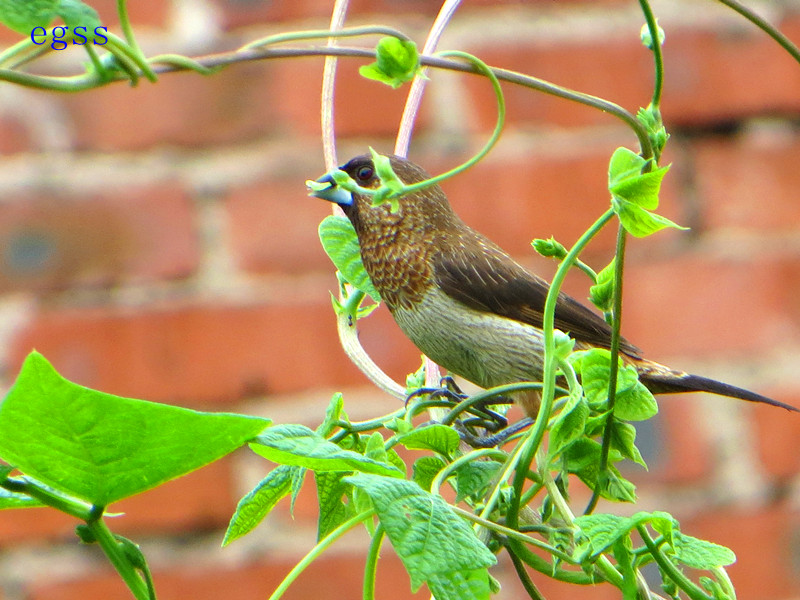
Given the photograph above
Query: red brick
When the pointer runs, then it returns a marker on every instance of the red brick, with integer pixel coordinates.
(340, 576)
(138, 233)
(588, 65)
(362, 107)
(712, 75)
(184, 109)
(273, 227)
(196, 355)
(25, 525)
(765, 543)
(679, 454)
(147, 13)
(696, 306)
(777, 434)
(750, 182)
(14, 136)
(707, 76)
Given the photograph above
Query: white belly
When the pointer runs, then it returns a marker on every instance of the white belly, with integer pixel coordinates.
(486, 349)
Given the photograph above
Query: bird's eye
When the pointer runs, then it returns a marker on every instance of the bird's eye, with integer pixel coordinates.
(365, 173)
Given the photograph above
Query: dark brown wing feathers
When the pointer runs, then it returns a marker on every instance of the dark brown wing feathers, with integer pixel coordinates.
(486, 278)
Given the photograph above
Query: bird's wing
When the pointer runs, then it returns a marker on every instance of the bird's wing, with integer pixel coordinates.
(485, 278)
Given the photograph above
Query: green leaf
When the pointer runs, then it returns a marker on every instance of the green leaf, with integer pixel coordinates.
(384, 171)
(594, 368)
(375, 448)
(473, 478)
(582, 458)
(75, 13)
(258, 503)
(300, 446)
(642, 190)
(700, 554)
(461, 585)
(23, 15)
(604, 530)
(602, 292)
(333, 415)
(623, 165)
(569, 425)
(425, 469)
(438, 438)
(623, 438)
(397, 62)
(635, 404)
(102, 448)
(429, 538)
(341, 244)
(330, 496)
(298, 477)
(638, 221)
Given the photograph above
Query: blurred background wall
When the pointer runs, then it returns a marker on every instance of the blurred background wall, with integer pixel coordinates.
(157, 242)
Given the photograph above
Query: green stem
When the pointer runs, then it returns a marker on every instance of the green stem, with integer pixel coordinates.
(683, 582)
(658, 58)
(764, 26)
(614, 365)
(371, 566)
(125, 51)
(321, 546)
(127, 31)
(516, 535)
(722, 578)
(522, 574)
(534, 440)
(182, 61)
(65, 504)
(116, 555)
(316, 34)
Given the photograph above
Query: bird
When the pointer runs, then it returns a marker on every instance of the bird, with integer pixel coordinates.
(465, 303)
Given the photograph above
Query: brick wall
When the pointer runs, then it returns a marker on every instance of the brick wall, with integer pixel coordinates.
(157, 242)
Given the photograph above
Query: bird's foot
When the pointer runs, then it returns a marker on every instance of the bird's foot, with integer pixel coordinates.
(491, 441)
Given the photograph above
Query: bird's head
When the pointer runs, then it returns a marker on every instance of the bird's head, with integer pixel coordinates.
(422, 209)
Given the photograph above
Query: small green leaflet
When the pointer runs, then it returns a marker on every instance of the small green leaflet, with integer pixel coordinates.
(436, 437)
(102, 448)
(604, 530)
(602, 292)
(425, 470)
(397, 62)
(634, 402)
(341, 244)
(300, 446)
(634, 193)
(23, 15)
(332, 509)
(436, 546)
(258, 503)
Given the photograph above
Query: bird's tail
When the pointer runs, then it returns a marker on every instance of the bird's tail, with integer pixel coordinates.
(671, 382)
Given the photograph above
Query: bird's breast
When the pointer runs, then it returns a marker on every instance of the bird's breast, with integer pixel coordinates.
(484, 348)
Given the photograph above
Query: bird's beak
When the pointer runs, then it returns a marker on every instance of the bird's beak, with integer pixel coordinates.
(332, 193)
